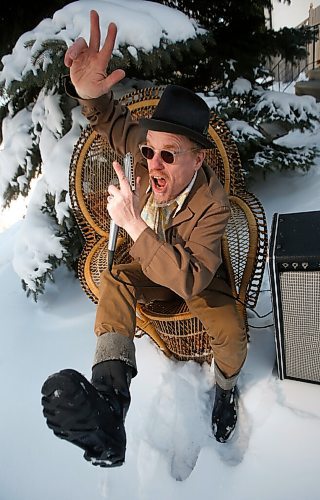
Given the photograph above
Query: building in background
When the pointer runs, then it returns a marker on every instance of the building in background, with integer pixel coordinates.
(285, 73)
(314, 49)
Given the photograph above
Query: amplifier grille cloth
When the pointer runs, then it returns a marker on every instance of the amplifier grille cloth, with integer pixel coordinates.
(300, 296)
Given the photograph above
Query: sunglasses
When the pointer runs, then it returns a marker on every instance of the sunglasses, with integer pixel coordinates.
(148, 153)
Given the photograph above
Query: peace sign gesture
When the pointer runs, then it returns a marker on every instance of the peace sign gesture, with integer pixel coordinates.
(88, 63)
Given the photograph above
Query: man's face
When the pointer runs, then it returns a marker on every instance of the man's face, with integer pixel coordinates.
(169, 180)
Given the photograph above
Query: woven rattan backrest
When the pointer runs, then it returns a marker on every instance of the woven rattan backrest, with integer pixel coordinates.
(91, 171)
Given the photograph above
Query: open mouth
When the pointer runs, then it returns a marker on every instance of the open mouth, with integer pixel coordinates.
(158, 183)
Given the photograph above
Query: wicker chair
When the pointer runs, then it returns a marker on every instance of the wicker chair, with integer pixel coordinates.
(174, 329)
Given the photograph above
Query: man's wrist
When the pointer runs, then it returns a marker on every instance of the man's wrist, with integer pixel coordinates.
(135, 228)
(72, 91)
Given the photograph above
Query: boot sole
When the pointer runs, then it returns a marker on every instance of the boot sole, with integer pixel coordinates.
(71, 416)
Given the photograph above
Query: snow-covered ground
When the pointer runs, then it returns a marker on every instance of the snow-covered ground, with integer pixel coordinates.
(273, 454)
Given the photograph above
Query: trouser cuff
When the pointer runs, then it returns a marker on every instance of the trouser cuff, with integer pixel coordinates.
(225, 383)
(111, 346)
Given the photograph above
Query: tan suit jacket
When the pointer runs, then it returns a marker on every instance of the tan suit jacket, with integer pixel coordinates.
(191, 255)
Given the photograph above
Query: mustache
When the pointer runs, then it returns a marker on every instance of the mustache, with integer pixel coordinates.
(156, 173)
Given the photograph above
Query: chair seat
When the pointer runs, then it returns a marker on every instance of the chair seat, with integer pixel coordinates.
(183, 334)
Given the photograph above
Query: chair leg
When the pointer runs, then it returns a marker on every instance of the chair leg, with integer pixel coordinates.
(145, 324)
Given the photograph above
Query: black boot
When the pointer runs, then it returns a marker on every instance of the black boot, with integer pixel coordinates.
(90, 415)
(224, 414)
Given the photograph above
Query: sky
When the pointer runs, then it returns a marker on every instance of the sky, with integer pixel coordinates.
(291, 15)
(171, 453)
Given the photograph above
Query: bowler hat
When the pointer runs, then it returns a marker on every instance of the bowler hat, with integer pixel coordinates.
(181, 111)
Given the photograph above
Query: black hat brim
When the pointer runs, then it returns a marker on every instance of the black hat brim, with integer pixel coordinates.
(173, 128)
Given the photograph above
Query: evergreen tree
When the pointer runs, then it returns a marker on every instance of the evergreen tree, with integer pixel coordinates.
(238, 42)
(34, 106)
(262, 123)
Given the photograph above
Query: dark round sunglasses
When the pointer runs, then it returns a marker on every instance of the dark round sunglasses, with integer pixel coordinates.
(148, 153)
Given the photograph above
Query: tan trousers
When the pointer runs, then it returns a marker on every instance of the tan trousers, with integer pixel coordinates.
(116, 312)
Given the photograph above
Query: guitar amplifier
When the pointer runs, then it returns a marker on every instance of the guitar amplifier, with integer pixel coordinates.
(294, 266)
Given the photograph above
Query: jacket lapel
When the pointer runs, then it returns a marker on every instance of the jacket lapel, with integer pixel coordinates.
(194, 200)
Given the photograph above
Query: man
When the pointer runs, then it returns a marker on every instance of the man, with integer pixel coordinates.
(176, 218)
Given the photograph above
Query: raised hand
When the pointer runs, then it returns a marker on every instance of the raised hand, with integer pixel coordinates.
(88, 63)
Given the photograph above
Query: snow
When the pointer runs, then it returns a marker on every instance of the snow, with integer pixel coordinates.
(16, 140)
(241, 130)
(273, 454)
(140, 23)
(35, 240)
(295, 137)
(287, 106)
(171, 453)
(241, 86)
